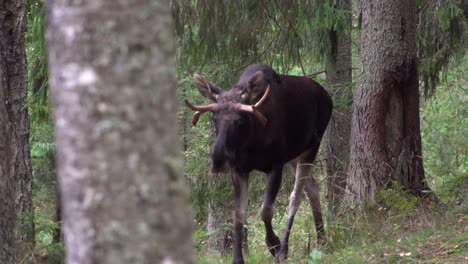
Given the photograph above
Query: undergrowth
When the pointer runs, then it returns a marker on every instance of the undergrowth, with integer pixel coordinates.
(408, 231)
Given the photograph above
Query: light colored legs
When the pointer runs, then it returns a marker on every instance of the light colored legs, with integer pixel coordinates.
(304, 181)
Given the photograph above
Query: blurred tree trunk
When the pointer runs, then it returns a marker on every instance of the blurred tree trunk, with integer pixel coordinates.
(14, 86)
(385, 133)
(113, 84)
(339, 76)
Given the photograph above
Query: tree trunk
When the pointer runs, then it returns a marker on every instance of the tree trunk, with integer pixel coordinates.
(7, 188)
(58, 231)
(113, 86)
(339, 77)
(385, 133)
(220, 208)
(15, 90)
(219, 226)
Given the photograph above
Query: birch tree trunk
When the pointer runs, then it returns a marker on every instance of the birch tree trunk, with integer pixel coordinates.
(339, 76)
(16, 172)
(113, 82)
(385, 132)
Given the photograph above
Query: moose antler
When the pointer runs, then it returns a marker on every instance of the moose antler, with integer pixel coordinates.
(253, 108)
(200, 109)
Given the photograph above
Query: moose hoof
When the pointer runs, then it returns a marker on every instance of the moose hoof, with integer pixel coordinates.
(281, 256)
(273, 244)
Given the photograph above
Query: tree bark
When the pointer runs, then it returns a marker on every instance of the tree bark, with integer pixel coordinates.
(220, 210)
(7, 188)
(58, 231)
(219, 227)
(385, 132)
(15, 89)
(339, 77)
(112, 69)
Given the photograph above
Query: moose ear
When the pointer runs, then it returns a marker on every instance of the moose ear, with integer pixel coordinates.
(255, 86)
(206, 88)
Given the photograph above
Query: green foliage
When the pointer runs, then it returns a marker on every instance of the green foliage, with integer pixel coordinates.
(54, 252)
(444, 127)
(44, 182)
(330, 17)
(278, 33)
(395, 199)
(441, 37)
(315, 256)
(436, 235)
(37, 63)
(431, 237)
(41, 139)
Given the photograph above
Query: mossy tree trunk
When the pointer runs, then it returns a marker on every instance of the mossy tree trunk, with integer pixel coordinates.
(113, 83)
(385, 132)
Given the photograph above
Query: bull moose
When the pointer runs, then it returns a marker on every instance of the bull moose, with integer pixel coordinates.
(263, 122)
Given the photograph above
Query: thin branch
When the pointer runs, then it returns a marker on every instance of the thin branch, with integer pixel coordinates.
(313, 75)
(261, 53)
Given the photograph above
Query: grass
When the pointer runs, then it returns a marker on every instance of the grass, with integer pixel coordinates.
(425, 236)
(421, 234)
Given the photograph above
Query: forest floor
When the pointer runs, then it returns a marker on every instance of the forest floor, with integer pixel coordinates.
(420, 234)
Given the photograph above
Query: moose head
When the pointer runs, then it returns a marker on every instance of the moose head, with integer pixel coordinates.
(236, 114)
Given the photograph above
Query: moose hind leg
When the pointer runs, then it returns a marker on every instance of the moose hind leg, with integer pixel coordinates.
(273, 185)
(294, 203)
(311, 189)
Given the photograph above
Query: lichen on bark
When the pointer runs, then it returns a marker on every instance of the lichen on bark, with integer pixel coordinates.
(113, 87)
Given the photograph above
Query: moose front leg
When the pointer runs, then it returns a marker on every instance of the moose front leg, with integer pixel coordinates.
(240, 181)
(273, 185)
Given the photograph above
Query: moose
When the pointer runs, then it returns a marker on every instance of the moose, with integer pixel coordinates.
(263, 122)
